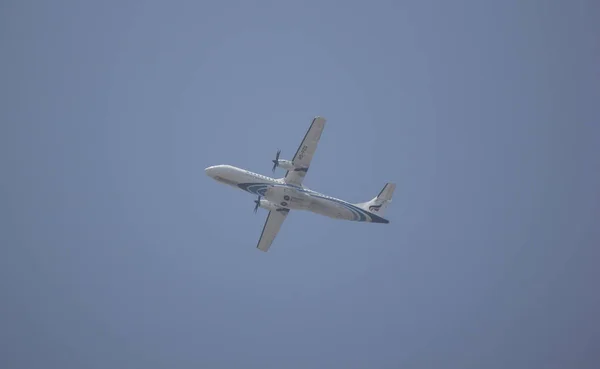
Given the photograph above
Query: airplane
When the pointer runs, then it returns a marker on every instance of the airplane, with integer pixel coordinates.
(279, 196)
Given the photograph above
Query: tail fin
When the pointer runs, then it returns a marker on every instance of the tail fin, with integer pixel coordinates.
(378, 204)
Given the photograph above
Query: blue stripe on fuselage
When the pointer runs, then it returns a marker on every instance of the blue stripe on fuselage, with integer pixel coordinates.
(255, 188)
(260, 188)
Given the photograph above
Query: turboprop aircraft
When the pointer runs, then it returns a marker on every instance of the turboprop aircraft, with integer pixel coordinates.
(279, 196)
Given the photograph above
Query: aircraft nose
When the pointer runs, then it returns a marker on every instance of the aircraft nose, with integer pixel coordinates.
(210, 170)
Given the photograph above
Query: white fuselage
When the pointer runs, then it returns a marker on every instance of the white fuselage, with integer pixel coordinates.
(286, 196)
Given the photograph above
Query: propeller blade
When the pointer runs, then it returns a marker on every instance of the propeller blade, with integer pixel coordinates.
(257, 202)
(276, 160)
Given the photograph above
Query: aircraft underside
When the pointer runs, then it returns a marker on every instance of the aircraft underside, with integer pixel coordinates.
(280, 196)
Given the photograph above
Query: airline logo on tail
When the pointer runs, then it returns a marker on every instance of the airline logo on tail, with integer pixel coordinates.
(374, 207)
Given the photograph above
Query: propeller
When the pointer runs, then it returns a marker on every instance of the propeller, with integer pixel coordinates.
(276, 160)
(257, 202)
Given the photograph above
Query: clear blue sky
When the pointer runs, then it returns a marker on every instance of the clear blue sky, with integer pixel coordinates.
(117, 251)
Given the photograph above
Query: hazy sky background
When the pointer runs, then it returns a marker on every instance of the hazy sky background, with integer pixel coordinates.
(117, 251)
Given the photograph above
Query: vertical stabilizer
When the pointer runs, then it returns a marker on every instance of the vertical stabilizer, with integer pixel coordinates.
(378, 204)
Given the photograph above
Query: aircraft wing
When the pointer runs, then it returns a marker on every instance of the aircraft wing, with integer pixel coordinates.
(305, 152)
(272, 225)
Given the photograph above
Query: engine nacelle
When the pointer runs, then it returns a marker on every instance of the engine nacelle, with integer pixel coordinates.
(266, 204)
(285, 164)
